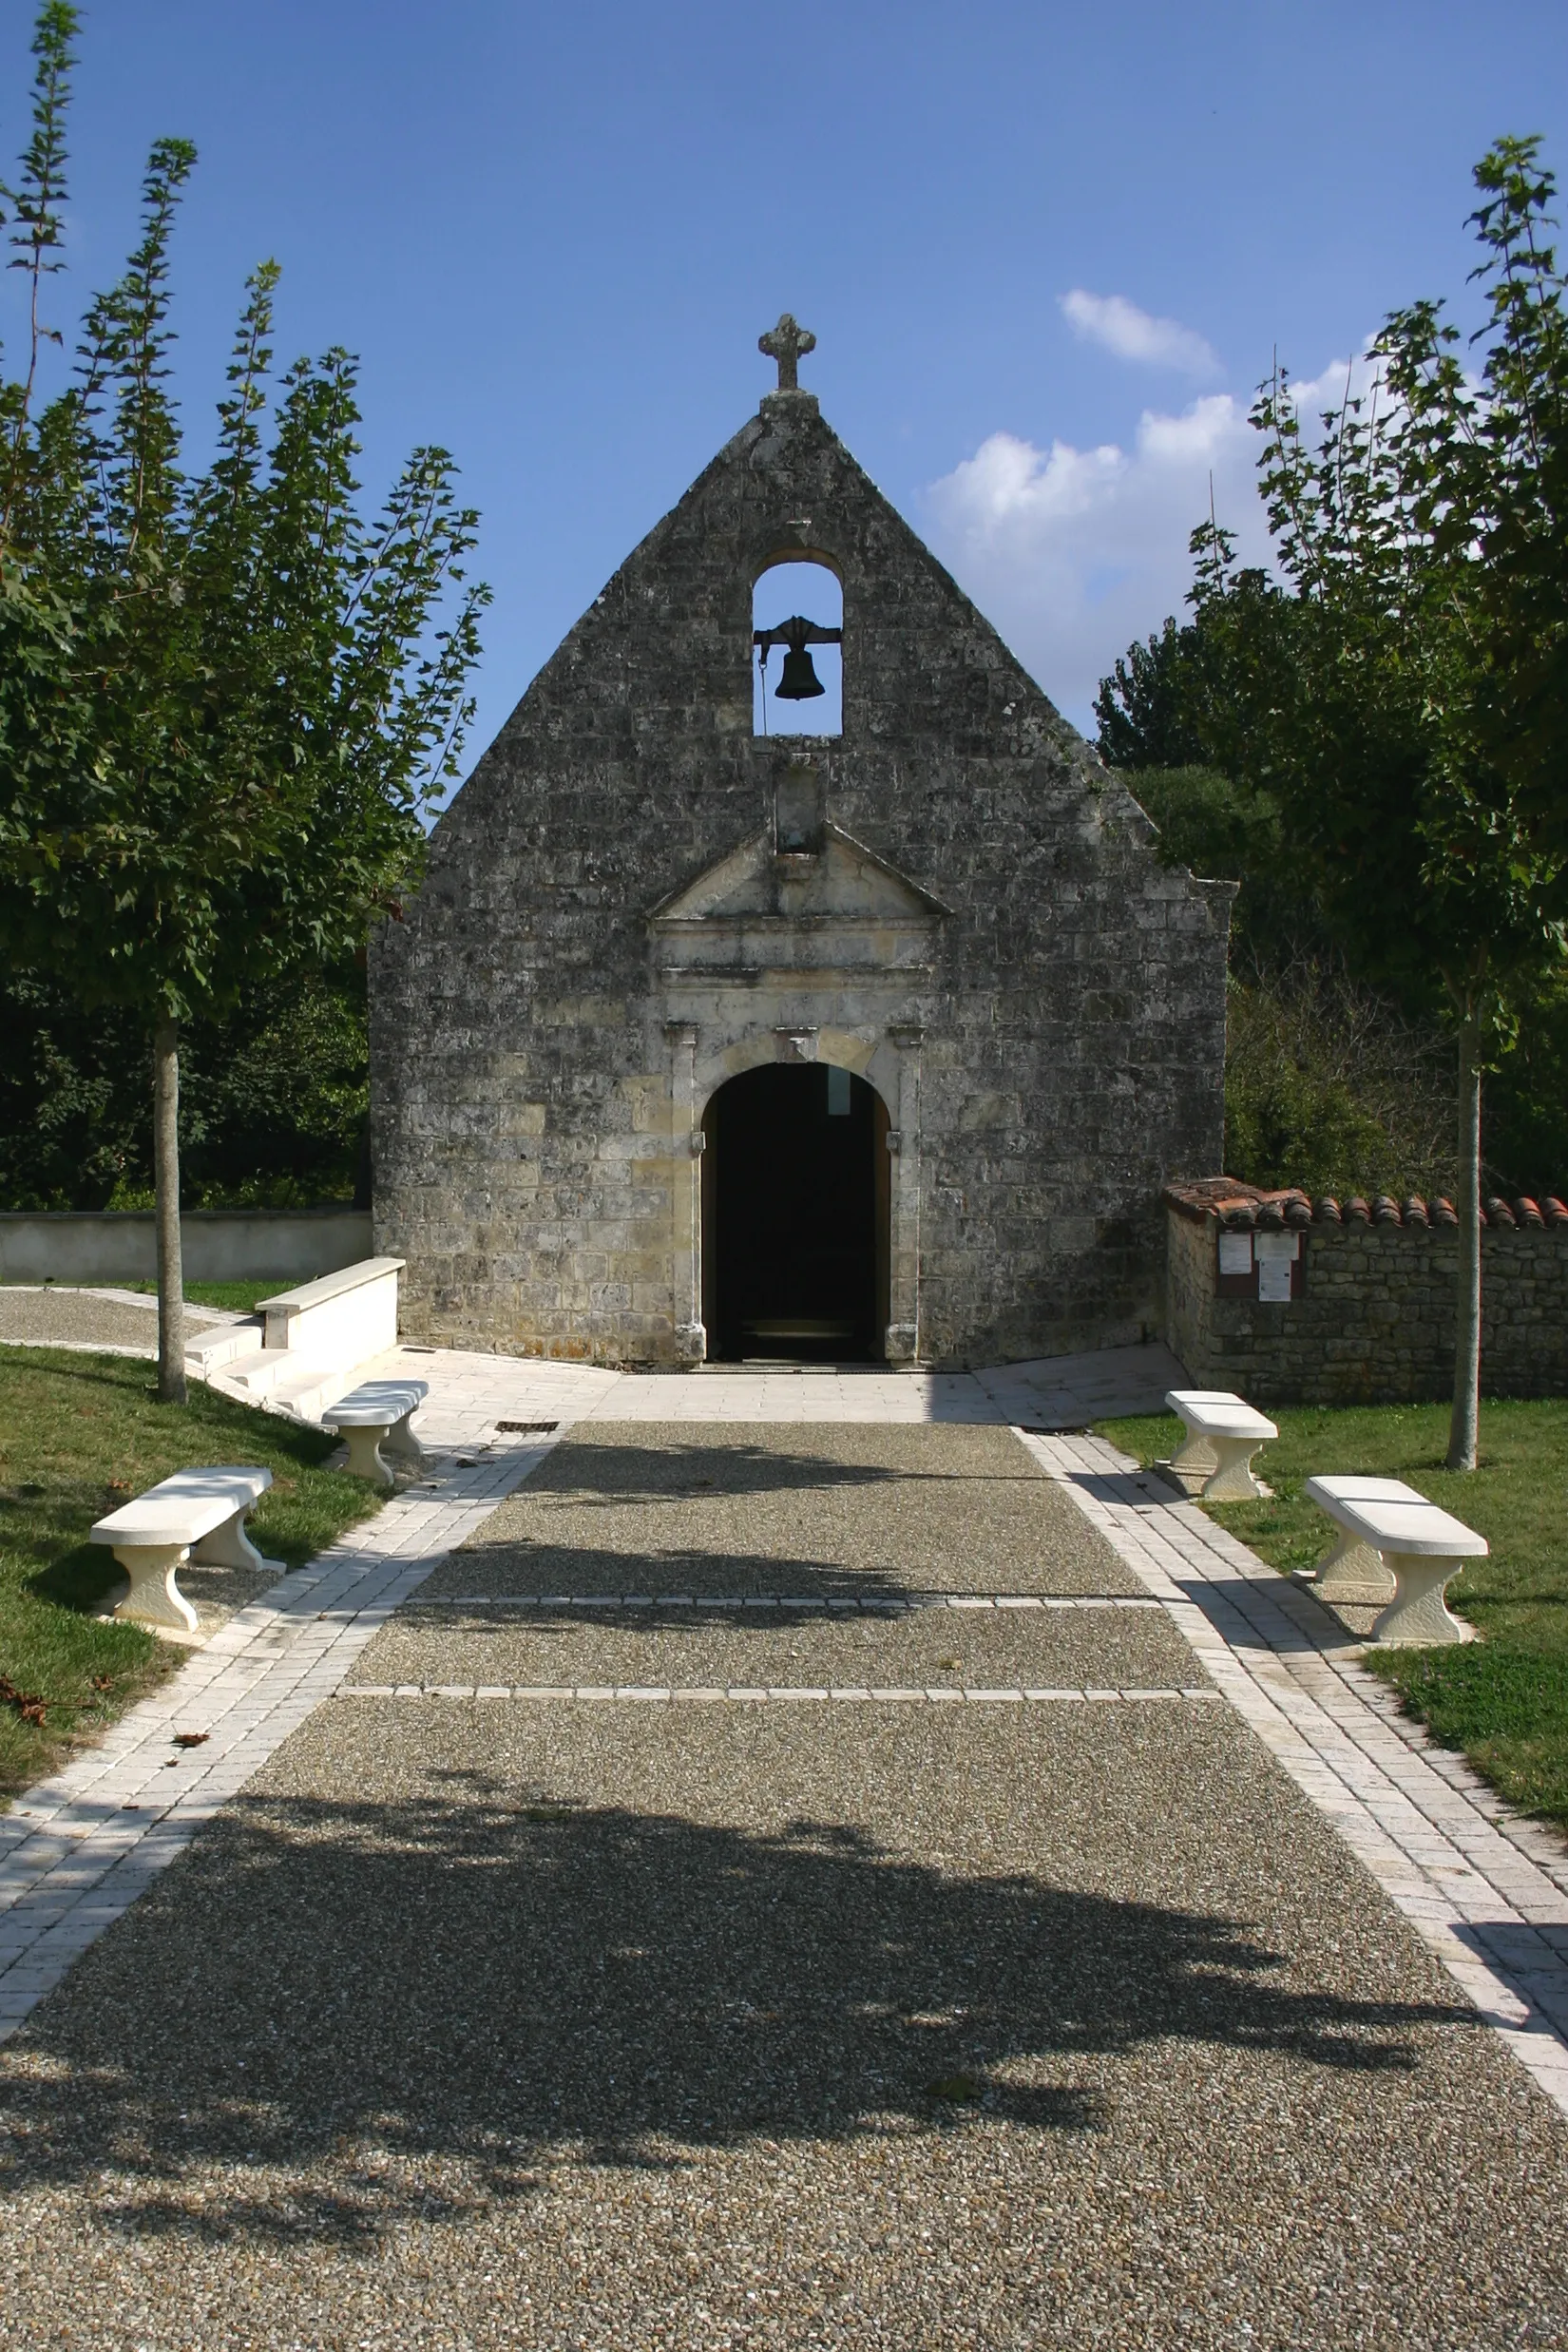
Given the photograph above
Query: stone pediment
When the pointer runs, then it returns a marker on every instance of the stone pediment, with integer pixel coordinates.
(841, 885)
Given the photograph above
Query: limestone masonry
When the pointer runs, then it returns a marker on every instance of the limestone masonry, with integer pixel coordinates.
(635, 899)
(1293, 1301)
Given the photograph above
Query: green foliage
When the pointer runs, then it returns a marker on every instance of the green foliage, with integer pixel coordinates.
(1330, 1083)
(1390, 713)
(273, 1112)
(1384, 697)
(1229, 831)
(1210, 823)
(1527, 1099)
(1503, 1699)
(254, 702)
(1374, 691)
(1328, 1087)
(1145, 706)
(68, 1426)
(230, 695)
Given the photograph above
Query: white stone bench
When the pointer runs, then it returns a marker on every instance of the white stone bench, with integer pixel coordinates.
(196, 1515)
(376, 1414)
(1421, 1548)
(1223, 1434)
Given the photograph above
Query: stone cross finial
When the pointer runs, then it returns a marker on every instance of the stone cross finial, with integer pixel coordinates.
(787, 343)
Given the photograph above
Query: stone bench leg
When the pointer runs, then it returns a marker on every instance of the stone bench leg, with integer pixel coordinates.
(1191, 1466)
(1193, 1458)
(400, 1439)
(1231, 1479)
(1418, 1617)
(365, 1456)
(1351, 1571)
(154, 1597)
(230, 1546)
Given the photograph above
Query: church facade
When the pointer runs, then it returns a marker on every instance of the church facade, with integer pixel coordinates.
(703, 1042)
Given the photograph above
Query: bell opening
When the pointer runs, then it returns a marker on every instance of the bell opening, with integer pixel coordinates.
(798, 689)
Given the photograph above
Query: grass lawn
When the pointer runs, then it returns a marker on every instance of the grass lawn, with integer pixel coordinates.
(1503, 1700)
(70, 1425)
(245, 1295)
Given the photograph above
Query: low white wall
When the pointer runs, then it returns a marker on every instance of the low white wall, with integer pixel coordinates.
(220, 1245)
(345, 1318)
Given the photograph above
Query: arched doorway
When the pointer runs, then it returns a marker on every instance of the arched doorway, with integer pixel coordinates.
(794, 1216)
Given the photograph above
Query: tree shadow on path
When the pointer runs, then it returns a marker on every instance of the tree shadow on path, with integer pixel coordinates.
(498, 1978)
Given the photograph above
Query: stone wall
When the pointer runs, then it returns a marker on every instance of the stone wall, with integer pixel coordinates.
(606, 935)
(1371, 1315)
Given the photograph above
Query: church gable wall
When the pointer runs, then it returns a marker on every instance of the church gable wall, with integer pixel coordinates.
(1049, 1045)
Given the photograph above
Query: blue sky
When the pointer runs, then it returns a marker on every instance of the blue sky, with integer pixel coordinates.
(554, 233)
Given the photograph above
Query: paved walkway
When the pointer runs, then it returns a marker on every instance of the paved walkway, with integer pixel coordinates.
(1056, 1392)
(470, 1390)
(858, 1997)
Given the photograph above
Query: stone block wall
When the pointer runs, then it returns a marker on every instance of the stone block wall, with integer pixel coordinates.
(1371, 1318)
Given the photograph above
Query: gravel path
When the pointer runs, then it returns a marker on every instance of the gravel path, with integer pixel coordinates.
(810, 1509)
(50, 1317)
(929, 1646)
(611, 2027)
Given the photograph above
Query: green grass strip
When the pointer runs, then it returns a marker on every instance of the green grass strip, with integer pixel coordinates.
(79, 1435)
(245, 1296)
(1502, 1701)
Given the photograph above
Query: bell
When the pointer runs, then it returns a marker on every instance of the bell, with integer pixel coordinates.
(800, 681)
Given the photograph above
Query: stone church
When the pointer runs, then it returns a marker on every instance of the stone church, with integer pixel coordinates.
(707, 1041)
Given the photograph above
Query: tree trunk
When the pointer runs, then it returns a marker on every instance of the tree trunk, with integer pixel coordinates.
(1463, 1429)
(171, 1273)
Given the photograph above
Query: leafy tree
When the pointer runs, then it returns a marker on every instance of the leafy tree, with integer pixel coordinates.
(1145, 708)
(1328, 1086)
(241, 694)
(273, 1097)
(1395, 691)
(1526, 1134)
(1330, 1080)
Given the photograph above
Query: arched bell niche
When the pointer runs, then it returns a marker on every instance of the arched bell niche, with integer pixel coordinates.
(798, 590)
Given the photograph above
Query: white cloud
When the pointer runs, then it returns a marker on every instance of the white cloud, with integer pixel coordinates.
(1119, 326)
(1073, 553)
(1356, 378)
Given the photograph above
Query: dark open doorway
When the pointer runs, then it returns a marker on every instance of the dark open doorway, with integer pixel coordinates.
(795, 1218)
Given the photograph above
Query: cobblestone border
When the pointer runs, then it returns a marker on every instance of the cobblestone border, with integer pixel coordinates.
(77, 1849)
(1486, 1889)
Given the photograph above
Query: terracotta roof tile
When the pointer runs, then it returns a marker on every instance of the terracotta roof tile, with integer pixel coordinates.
(1241, 1207)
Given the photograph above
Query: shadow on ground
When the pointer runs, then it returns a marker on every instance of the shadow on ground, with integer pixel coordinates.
(592, 1473)
(496, 1977)
(843, 1511)
(562, 1571)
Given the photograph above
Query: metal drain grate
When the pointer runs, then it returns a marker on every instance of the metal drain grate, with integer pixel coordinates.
(526, 1428)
